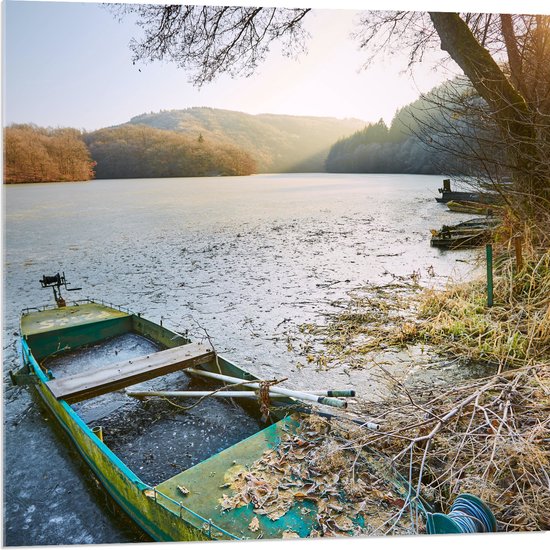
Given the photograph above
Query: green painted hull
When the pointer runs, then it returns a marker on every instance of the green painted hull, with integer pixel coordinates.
(163, 512)
(158, 512)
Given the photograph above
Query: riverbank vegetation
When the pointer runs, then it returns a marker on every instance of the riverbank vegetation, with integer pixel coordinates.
(33, 154)
(482, 428)
(486, 435)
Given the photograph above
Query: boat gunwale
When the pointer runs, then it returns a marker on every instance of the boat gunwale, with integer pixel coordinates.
(129, 474)
(74, 303)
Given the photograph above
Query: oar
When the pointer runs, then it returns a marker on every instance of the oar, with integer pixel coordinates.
(226, 393)
(333, 393)
(330, 401)
(211, 393)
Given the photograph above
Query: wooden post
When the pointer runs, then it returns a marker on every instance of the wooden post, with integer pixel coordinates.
(519, 253)
(489, 253)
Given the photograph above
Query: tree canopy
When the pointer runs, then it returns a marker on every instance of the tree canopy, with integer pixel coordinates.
(139, 151)
(33, 154)
(210, 40)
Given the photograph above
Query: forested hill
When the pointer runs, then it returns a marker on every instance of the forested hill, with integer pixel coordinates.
(424, 137)
(180, 143)
(212, 142)
(139, 151)
(277, 143)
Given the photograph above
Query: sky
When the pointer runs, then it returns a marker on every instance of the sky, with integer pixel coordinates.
(69, 64)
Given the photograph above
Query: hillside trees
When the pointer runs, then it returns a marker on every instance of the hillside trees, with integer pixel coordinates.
(278, 143)
(439, 133)
(138, 151)
(33, 154)
(379, 149)
(521, 115)
(504, 121)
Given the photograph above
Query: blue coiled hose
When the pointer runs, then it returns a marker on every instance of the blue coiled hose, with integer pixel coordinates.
(468, 514)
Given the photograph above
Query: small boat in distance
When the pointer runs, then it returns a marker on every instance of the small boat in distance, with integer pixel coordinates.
(471, 207)
(468, 234)
(472, 196)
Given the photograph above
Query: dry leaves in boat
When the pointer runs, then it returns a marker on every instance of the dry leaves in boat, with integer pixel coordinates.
(318, 468)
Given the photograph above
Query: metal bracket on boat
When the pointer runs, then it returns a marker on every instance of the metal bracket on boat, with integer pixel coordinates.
(57, 280)
(21, 378)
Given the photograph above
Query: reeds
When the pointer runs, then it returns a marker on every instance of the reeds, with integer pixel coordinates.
(513, 333)
(489, 436)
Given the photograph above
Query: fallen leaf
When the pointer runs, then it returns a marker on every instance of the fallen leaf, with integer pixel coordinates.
(254, 525)
(343, 523)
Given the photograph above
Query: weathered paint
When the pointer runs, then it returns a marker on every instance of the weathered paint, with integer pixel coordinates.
(48, 320)
(123, 485)
(163, 512)
(45, 344)
(157, 513)
(206, 483)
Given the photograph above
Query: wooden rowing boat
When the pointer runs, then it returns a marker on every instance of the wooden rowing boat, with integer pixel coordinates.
(65, 351)
(468, 234)
(167, 468)
(456, 240)
(470, 207)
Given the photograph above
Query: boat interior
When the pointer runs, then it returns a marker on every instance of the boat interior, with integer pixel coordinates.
(94, 354)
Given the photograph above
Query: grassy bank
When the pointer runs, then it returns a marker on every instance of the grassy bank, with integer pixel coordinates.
(489, 436)
(515, 332)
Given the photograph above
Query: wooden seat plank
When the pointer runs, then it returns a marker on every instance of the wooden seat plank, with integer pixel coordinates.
(126, 373)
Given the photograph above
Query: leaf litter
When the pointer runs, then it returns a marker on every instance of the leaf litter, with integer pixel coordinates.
(316, 469)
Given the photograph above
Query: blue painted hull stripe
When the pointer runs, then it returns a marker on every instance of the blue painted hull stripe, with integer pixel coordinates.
(149, 527)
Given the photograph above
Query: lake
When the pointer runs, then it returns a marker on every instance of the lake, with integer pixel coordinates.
(244, 258)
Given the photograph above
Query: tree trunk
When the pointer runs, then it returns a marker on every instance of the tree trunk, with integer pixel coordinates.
(508, 106)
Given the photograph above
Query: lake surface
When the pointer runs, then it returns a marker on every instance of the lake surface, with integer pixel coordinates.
(246, 258)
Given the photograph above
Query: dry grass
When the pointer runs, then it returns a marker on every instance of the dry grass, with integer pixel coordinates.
(457, 322)
(514, 332)
(490, 436)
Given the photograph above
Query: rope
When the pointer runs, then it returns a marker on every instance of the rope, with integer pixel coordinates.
(263, 396)
(468, 515)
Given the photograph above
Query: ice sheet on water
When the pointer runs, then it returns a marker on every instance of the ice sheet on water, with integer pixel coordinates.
(154, 438)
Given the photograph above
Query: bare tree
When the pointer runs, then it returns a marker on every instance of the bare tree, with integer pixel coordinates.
(505, 57)
(211, 40)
